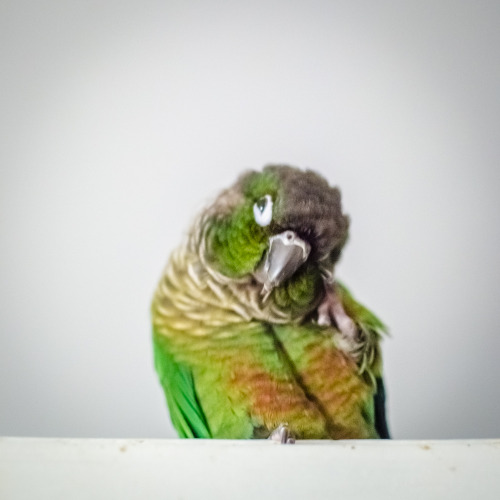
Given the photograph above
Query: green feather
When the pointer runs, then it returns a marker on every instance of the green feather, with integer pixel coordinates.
(178, 384)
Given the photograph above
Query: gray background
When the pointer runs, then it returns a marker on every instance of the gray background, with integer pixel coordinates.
(120, 119)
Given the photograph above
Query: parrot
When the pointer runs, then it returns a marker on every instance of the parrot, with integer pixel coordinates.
(253, 335)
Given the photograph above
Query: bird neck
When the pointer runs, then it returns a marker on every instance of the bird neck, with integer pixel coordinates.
(195, 298)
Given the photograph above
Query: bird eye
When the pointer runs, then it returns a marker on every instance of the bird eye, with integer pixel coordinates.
(263, 210)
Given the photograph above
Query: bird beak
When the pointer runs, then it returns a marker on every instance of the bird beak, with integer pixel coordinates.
(286, 253)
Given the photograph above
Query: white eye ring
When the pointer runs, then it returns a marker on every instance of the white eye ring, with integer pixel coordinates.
(263, 211)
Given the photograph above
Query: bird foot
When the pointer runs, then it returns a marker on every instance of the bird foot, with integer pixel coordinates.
(282, 435)
(331, 313)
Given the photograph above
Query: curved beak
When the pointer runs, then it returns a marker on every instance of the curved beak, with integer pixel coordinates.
(286, 253)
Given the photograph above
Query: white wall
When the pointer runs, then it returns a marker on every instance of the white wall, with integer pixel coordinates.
(121, 118)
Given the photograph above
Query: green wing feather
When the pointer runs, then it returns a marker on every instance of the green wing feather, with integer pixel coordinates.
(178, 384)
(359, 312)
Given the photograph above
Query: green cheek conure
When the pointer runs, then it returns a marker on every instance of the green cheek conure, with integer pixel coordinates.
(253, 336)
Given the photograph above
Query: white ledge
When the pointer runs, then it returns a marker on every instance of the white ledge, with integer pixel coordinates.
(148, 469)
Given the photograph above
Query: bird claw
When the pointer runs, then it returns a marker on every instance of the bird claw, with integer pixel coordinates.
(331, 311)
(282, 435)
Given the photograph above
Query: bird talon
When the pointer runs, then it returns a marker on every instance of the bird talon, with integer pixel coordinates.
(282, 435)
(331, 312)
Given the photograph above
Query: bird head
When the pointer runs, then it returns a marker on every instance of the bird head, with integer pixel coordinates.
(282, 227)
